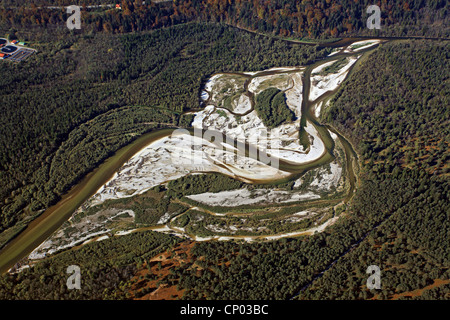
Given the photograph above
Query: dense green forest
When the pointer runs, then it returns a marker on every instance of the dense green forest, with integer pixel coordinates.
(272, 108)
(106, 268)
(194, 184)
(287, 18)
(411, 248)
(61, 104)
(398, 115)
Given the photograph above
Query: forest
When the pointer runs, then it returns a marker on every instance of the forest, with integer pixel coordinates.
(272, 108)
(106, 268)
(286, 18)
(406, 125)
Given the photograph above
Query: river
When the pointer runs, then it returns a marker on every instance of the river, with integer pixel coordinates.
(49, 221)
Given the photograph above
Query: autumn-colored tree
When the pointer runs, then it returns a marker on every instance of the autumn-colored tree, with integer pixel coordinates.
(127, 8)
(334, 32)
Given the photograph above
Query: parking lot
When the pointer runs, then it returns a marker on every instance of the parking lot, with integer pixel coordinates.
(22, 54)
